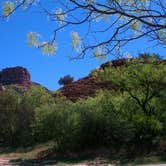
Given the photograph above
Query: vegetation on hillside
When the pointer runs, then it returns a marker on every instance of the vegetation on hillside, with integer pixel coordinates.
(131, 117)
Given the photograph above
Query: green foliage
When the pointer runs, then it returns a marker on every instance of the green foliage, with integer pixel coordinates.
(84, 124)
(48, 48)
(147, 57)
(124, 21)
(144, 85)
(17, 113)
(8, 8)
(57, 122)
(131, 116)
(65, 80)
(38, 96)
(101, 123)
(16, 116)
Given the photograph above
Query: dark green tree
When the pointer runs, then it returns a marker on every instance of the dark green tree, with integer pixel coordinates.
(144, 86)
(65, 80)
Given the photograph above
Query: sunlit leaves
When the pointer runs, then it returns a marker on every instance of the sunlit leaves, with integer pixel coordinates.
(33, 39)
(47, 48)
(135, 25)
(76, 41)
(137, 74)
(162, 36)
(60, 16)
(12, 5)
(8, 8)
(106, 22)
(98, 52)
(75, 38)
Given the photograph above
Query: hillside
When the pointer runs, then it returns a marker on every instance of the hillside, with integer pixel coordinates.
(88, 86)
(19, 79)
(131, 122)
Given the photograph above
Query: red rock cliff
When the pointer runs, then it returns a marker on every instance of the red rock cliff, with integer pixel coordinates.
(85, 87)
(15, 75)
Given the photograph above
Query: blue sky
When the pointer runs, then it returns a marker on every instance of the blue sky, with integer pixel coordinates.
(46, 70)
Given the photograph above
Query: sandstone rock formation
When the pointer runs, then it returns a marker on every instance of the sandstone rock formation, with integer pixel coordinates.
(15, 75)
(114, 63)
(85, 87)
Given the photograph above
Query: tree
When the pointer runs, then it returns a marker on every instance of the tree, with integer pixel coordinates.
(108, 24)
(65, 80)
(142, 82)
(145, 86)
(16, 118)
(151, 57)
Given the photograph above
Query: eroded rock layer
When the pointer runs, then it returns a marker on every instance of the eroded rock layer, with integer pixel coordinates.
(88, 86)
(15, 75)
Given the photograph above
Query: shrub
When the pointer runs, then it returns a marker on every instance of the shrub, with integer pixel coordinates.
(147, 57)
(16, 117)
(58, 122)
(132, 118)
(65, 80)
(144, 86)
(17, 114)
(85, 124)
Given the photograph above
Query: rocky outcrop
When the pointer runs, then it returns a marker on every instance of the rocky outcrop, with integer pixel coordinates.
(114, 63)
(83, 88)
(88, 86)
(15, 75)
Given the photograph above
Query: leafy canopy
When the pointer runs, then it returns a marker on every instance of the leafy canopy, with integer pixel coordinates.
(124, 21)
(65, 80)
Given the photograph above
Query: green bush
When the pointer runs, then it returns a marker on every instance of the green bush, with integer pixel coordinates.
(110, 119)
(85, 124)
(16, 116)
(132, 117)
(145, 87)
(58, 122)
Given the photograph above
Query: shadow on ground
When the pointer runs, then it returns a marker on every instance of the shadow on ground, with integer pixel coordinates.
(90, 158)
(61, 160)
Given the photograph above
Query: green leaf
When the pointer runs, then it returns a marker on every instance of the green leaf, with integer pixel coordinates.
(8, 8)
(48, 48)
